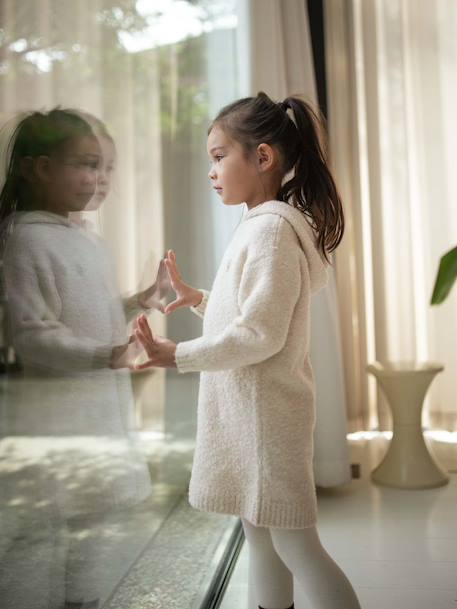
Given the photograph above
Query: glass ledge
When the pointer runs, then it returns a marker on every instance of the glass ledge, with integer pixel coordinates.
(184, 564)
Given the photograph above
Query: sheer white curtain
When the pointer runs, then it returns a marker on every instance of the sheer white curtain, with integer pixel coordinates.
(393, 94)
(69, 54)
(155, 73)
(281, 64)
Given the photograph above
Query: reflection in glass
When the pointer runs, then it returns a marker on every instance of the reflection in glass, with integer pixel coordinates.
(68, 328)
(156, 88)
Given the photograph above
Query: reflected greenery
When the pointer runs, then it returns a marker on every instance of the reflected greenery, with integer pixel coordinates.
(81, 57)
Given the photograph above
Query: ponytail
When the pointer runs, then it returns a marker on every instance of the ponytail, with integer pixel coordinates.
(299, 139)
(312, 188)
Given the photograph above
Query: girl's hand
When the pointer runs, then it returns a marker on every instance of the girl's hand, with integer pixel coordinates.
(124, 356)
(153, 296)
(187, 296)
(161, 351)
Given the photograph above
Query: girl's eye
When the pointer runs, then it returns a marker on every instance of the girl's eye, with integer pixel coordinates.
(219, 157)
(93, 165)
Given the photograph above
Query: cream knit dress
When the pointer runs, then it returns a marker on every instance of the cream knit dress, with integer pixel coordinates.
(65, 316)
(254, 449)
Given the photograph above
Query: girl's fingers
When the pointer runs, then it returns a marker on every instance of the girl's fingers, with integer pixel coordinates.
(173, 272)
(145, 328)
(145, 341)
(171, 306)
(144, 335)
(162, 268)
(142, 338)
(149, 364)
(173, 262)
(150, 349)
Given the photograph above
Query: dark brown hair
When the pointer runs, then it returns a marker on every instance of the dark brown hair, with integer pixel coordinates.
(311, 188)
(37, 133)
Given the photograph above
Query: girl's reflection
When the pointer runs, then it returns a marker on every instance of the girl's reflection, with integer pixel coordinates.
(69, 413)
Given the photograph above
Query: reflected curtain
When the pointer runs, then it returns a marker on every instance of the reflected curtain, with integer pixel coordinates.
(69, 54)
(393, 94)
(157, 98)
(282, 67)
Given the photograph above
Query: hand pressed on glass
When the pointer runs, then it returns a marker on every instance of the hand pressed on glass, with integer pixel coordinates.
(160, 350)
(186, 295)
(124, 356)
(154, 296)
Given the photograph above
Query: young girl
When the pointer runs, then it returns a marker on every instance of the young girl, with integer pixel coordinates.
(68, 327)
(254, 448)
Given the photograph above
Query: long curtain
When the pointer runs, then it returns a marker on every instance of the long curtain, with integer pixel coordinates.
(284, 67)
(69, 54)
(393, 93)
(156, 88)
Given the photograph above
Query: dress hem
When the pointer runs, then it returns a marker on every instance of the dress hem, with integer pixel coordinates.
(274, 514)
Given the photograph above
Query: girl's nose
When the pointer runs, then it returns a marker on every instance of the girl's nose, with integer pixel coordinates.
(211, 174)
(90, 177)
(102, 178)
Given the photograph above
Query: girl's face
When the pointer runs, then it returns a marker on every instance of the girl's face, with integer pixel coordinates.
(234, 175)
(69, 179)
(104, 173)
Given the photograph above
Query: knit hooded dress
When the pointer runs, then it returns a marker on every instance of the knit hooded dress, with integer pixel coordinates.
(65, 315)
(254, 448)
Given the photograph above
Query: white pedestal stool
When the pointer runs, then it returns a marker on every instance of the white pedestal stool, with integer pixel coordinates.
(407, 463)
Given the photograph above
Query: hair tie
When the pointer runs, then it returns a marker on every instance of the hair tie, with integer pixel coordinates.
(285, 105)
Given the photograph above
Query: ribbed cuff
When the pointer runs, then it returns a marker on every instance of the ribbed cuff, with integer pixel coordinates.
(101, 357)
(200, 309)
(183, 357)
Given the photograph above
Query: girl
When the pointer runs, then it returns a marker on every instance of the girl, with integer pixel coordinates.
(68, 327)
(254, 450)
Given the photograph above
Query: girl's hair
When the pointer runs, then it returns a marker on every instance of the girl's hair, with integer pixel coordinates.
(310, 188)
(37, 134)
(99, 129)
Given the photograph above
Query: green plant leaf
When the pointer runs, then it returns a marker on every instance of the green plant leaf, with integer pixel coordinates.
(445, 278)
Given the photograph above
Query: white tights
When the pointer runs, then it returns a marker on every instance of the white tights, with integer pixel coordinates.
(279, 555)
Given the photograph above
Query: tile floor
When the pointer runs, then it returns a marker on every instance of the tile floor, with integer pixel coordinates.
(398, 547)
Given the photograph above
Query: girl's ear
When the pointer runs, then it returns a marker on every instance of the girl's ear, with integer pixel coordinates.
(27, 165)
(42, 168)
(266, 157)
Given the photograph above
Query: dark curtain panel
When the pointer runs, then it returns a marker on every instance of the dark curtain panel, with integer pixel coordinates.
(316, 24)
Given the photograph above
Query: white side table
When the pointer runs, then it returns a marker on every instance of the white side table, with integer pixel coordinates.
(407, 463)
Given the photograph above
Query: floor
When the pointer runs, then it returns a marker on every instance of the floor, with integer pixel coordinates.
(398, 547)
(157, 554)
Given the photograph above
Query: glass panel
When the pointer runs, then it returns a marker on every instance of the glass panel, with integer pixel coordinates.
(95, 460)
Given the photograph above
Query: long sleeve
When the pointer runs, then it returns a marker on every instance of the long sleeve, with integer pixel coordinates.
(268, 292)
(35, 308)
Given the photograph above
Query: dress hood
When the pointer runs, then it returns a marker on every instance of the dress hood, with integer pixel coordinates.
(306, 236)
(39, 217)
